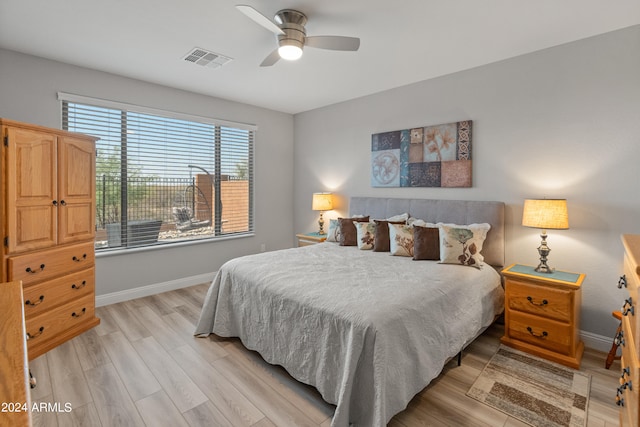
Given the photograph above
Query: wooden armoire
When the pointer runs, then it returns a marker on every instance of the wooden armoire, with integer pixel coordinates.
(47, 204)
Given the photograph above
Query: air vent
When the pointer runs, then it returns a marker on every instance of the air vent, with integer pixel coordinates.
(206, 58)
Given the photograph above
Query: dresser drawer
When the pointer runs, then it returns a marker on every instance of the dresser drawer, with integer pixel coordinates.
(541, 332)
(48, 325)
(44, 265)
(46, 295)
(540, 300)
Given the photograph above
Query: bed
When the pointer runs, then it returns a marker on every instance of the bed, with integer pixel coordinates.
(367, 329)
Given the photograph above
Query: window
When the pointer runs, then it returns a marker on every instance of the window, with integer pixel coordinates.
(164, 177)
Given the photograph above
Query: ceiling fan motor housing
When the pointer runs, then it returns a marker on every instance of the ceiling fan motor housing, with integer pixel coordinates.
(292, 23)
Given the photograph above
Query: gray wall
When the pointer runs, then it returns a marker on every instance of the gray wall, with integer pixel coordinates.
(563, 122)
(28, 88)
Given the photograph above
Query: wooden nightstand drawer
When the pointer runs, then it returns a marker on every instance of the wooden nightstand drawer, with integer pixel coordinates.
(549, 334)
(310, 239)
(540, 301)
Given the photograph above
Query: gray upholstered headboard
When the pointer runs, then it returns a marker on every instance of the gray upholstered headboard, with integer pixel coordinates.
(448, 211)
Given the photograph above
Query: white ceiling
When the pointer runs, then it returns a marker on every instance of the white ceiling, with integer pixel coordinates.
(402, 41)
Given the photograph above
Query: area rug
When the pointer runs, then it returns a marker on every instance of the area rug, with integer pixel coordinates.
(533, 390)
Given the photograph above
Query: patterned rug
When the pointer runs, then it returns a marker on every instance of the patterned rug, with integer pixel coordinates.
(533, 390)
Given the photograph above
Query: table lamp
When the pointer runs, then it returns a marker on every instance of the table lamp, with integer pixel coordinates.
(321, 202)
(546, 214)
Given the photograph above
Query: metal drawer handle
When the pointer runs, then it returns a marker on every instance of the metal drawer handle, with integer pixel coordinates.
(544, 334)
(625, 372)
(622, 281)
(33, 304)
(619, 339)
(29, 270)
(627, 307)
(619, 398)
(540, 304)
(627, 385)
(82, 313)
(76, 259)
(37, 334)
(82, 285)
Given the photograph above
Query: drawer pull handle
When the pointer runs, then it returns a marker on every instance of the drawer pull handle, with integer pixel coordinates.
(63, 203)
(82, 313)
(622, 281)
(540, 304)
(30, 271)
(619, 398)
(544, 334)
(78, 287)
(55, 203)
(627, 385)
(36, 335)
(33, 304)
(619, 339)
(628, 307)
(625, 372)
(76, 259)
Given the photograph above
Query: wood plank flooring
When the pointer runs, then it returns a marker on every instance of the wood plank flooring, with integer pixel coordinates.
(142, 367)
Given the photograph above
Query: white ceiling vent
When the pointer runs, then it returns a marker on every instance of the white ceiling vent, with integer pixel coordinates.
(206, 58)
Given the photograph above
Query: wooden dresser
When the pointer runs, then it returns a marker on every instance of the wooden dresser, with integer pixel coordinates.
(627, 396)
(14, 371)
(542, 313)
(48, 210)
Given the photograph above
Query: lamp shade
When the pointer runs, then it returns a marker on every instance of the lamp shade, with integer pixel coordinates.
(322, 202)
(547, 214)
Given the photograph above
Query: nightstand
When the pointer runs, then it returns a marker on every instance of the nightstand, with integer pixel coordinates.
(307, 239)
(542, 313)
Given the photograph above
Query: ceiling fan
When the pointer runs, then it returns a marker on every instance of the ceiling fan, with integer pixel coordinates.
(292, 37)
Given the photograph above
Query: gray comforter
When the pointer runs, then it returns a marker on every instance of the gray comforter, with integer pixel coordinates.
(367, 329)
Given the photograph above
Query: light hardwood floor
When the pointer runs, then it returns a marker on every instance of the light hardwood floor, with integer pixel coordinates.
(142, 366)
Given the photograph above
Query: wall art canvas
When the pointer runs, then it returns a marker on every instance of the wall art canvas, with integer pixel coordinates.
(430, 156)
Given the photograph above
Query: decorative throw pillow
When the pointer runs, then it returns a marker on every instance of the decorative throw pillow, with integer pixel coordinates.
(366, 234)
(381, 240)
(461, 244)
(401, 239)
(426, 242)
(348, 234)
(333, 235)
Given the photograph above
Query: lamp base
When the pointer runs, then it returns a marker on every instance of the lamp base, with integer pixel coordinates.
(321, 224)
(544, 250)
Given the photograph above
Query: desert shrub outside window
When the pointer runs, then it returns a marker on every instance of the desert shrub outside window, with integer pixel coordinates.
(164, 177)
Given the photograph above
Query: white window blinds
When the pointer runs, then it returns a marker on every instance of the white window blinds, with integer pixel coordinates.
(163, 177)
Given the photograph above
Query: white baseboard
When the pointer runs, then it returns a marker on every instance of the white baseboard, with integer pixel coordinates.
(144, 291)
(596, 342)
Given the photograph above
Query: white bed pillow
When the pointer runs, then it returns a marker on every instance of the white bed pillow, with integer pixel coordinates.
(365, 234)
(401, 239)
(462, 244)
(396, 218)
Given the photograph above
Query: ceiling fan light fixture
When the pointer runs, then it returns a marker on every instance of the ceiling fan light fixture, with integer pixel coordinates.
(290, 52)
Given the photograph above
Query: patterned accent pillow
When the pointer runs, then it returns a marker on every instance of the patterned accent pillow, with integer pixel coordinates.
(461, 244)
(381, 241)
(366, 234)
(348, 234)
(426, 242)
(401, 239)
(333, 235)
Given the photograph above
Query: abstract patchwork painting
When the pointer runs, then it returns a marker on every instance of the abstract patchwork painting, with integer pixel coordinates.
(430, 156)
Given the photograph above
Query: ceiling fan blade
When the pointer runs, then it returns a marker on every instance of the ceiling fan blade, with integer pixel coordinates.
(259, 18)
(271, 59)
(333, 42)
